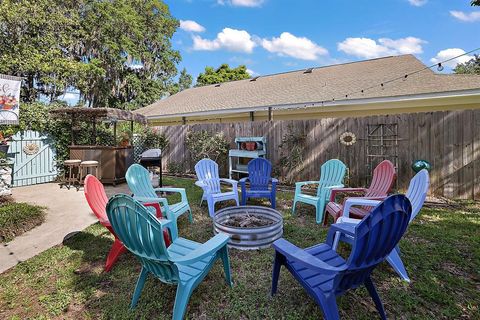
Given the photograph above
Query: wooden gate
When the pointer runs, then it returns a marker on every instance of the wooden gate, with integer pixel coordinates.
(34, 158)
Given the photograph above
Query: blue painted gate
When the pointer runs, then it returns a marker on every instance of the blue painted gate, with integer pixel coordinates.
(34, 158)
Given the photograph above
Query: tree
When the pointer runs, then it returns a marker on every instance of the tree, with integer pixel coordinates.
(475, 2)
(117, 53)
(184, 82)
(222, 74)
(470, 67)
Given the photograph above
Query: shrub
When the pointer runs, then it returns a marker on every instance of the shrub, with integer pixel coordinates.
(17, 218)
(175, 167)
(203, 144)
(152, 139)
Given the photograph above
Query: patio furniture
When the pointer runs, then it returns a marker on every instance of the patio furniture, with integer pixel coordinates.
(184, 263)
(71, 176)
(88, 167)
(97, 200)
(325, 274)
(247, 148)
(259, 176)
(416, 193)
(332, 174)
(138, 180)
(209, 180)
(382, 182)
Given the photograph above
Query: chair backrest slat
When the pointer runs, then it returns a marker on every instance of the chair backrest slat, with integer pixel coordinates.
(259, 173)
(332, 173)
(97, 198)
(207, 172)
(375, 237)
(138, 180)
(141, 233)
(383, 178)
(417, 191)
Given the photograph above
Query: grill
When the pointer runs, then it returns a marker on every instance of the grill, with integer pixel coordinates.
(152, 158)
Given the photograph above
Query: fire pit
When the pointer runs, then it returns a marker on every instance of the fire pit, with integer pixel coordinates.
(249, 227)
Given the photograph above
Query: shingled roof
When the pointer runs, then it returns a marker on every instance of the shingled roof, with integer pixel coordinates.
(321, 84)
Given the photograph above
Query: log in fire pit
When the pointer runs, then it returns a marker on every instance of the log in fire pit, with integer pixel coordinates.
(249, 227)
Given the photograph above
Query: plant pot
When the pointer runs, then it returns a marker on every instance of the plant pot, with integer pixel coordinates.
(4, 148)
(251, 146)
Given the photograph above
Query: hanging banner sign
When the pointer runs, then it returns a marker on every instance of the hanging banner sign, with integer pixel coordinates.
(9, 99)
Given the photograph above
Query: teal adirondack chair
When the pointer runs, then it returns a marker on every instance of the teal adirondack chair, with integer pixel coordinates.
(138, 180)
(332, 174)
(184, 263)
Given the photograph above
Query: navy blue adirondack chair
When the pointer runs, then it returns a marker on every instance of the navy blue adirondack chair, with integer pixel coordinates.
(259, 176)
(325, 275)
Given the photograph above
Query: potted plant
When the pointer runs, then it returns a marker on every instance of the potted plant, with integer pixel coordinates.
(124, 139)
(5, 136)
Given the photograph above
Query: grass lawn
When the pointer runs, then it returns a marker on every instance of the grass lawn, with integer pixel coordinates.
(441, 251)
(17, 218)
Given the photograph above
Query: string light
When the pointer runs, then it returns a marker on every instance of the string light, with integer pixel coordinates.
(440, 67)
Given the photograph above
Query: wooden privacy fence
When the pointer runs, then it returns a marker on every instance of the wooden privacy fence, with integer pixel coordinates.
(449, 140)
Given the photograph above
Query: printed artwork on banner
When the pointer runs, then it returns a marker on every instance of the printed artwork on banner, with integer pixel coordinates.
(9, 99)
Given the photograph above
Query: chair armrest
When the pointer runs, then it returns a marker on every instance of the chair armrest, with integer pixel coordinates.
(299, 185)
(292, 252)
(230, 181)
(345, 190)
(343, 219)
(200, 184)
(207, 249)
(169, 224)
(178, 190)
(274, 182)
(354, 201)
(163, 201)
(344, 227)
(243, 181)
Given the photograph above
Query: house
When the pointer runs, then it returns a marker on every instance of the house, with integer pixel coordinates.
(396, 107)
(351, 89)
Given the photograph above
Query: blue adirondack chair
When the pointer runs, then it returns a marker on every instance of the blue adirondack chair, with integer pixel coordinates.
(416, 193)
(138, 180)
(259, 176)
(209, 181)
(184, 263)
(332, 174)
(325, 275)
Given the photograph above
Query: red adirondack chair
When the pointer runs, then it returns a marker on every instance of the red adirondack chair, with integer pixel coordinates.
(97, 200)
(383, 178)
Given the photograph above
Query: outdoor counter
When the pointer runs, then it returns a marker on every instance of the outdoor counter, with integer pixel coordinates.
(113, 162)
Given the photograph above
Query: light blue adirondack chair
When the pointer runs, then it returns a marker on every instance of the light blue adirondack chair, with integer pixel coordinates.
(332, 174)
(184, 263)
(416, 193)
(138, 180)
(325, 274)
(209, 180)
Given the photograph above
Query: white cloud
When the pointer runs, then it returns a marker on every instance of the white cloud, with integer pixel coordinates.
(297, 47)
(466, 17)
(242, 3)
(252, 73)
(417, 3)
(369, 48)
(191, 26)
(229, 39)
(450, 53)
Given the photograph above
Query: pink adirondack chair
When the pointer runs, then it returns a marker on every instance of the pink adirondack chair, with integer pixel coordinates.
(97, 200)
(383, 178)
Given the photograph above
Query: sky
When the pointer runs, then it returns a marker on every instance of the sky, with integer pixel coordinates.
(273, 36)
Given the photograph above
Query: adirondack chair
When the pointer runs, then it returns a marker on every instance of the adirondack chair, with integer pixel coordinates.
(382, 182)
(209, 180)
(97, 200)
(259, 176)
(184, 263)
(325, 275)
(332, 173)
(416, 193)
(139, 183)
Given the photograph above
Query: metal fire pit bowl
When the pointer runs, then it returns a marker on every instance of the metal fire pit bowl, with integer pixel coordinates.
(249, 238)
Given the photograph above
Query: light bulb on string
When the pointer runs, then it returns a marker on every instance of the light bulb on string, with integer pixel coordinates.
(440, 67)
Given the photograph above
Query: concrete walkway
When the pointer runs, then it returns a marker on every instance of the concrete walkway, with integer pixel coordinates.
(67, 211)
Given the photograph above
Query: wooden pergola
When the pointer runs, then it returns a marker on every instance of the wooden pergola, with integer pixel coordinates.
(92, 115)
